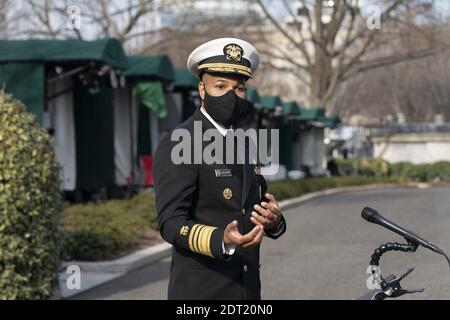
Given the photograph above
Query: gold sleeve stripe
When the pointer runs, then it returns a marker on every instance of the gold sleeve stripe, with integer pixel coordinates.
(197, 238)
(205, 241)
(191, 237)
(200, 239)
(208, 243)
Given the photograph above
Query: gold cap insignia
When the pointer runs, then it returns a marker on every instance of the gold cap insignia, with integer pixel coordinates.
(184, 230)
(233, 52)
(227, 193)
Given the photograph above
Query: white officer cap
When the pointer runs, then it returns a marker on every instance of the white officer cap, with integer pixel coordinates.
(224, 55)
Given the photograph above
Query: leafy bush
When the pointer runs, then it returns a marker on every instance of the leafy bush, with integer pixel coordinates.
(29, 205)
(399, 169)
(365, 167)
(419, 172)
(143, 205)
(97, 231)
(286, 189)
(438, 171)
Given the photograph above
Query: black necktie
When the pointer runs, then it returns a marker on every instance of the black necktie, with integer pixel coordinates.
(236, 167)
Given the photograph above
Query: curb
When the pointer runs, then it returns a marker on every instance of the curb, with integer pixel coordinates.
(127, 263)
(96, 273)
(93, 274)
(293, 202)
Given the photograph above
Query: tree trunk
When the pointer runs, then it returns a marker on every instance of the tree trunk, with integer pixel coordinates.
(321, 75)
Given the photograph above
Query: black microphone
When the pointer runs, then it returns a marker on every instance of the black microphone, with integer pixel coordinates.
(373, 216)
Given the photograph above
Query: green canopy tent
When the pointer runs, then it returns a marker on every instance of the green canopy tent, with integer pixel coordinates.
(271, 117)
(24, 64)
(109, 51)
(272, 104)
(67, 85)
(271, 111)
(252, 119)
(156, 67)
(291, 108)
(185, 80)
(331, 122)
(186, 87)
(150, 82)
(253, 96)
(148, 75)
(318, 118)
(289, 135)
(311, 115)
(312, 123)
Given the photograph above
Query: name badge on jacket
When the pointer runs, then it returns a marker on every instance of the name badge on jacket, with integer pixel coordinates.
(221, 173)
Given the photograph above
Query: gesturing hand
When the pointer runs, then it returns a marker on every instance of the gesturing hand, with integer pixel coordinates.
(269, 214)
(233, 236)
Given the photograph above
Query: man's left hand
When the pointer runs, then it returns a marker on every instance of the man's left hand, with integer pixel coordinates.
(267, 214)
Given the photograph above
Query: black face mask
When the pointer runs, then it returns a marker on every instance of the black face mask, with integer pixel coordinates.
(226, 109)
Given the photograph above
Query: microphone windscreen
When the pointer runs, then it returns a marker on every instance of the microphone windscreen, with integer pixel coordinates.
(369, 214)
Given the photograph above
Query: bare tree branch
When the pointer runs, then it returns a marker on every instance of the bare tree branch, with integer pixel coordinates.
(144, 7)
(107, 16)
(300, 45)
(391, 60)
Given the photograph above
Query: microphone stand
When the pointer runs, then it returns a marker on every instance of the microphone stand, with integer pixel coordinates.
(390, 286)
(411, 246)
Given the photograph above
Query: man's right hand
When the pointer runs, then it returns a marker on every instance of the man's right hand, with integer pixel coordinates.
(232, 236)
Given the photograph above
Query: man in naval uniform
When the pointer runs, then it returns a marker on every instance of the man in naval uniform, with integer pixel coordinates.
(215, 215)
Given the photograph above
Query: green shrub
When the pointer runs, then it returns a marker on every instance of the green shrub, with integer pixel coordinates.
(29, 205)
(399, 169)
(143, 205)
(438, 171)
(419, 172)
(346, 167)
(365, 167)
(98, 231)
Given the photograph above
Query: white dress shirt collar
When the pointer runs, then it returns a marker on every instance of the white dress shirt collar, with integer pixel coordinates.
(223, 131)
